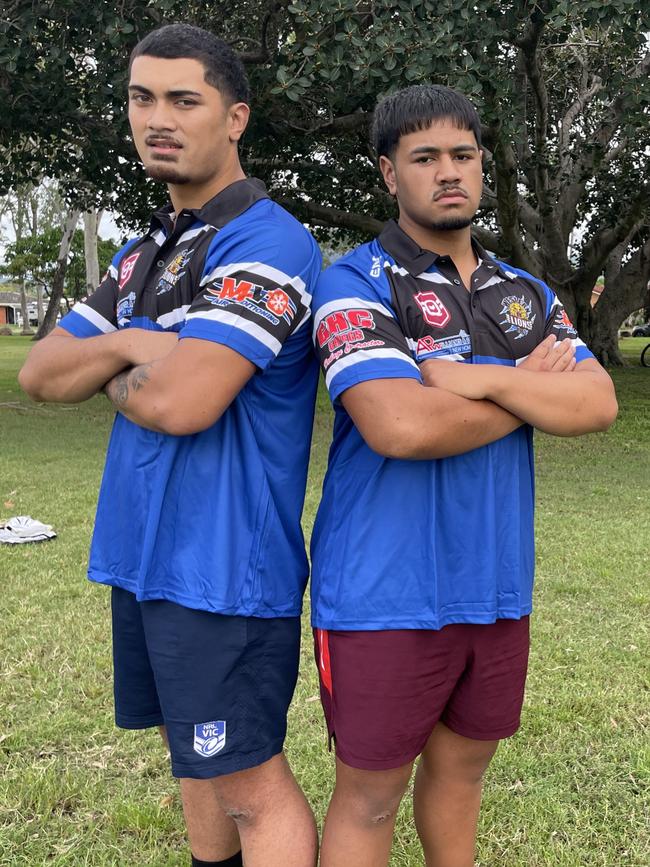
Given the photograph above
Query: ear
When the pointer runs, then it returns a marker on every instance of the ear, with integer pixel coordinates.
(238, 115)
(387, 169)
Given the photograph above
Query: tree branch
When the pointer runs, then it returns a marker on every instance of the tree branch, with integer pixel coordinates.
(323, 215)
(569, 117)
(346, 123)
(602, 243)
(529, 48)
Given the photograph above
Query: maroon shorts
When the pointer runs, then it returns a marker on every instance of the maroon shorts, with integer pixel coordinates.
(383, 692)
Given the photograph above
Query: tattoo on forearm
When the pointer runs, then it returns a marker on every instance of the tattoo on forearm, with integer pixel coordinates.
(118, 388)
(139, 376)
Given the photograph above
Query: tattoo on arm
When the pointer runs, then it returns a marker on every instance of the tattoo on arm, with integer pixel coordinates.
(117, 389)
(139, 376)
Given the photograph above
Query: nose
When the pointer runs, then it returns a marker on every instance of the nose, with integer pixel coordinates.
(160, 117)
(447, 170)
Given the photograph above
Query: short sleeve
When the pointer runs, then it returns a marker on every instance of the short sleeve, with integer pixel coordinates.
(97, 314)
(355, 332)
(559, 324)
(256, 289)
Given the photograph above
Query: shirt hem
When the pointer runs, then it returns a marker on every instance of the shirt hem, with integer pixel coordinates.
(193, 602)
(421, 623)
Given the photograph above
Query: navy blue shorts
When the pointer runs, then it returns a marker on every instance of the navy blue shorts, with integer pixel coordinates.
(221, 685)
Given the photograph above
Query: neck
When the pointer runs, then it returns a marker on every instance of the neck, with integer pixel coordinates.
(186, 196)
(457, 243)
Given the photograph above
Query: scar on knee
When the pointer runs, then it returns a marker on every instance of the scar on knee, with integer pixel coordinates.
(380, 818)
(240, 815)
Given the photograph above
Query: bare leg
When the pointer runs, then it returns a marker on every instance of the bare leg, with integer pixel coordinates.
(275, 823)
(361, 816)
(211, 833)
(447, 796)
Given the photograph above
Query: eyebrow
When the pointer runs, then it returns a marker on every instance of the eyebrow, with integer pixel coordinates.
(430, 149)
(138, 88)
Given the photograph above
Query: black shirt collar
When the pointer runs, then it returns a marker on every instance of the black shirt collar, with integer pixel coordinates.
(411, 256)
(219, 210)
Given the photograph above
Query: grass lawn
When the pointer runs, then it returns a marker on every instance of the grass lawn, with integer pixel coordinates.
(570, 789)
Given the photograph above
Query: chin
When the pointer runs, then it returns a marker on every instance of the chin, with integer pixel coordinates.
(450, 224)
(167, 174)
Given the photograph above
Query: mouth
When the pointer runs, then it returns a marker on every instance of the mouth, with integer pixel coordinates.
(453, 196)
(162, 145)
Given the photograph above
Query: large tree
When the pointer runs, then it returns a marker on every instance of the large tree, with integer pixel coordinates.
(563, 90)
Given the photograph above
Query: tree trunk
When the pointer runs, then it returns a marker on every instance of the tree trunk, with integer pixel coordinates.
(603, 339)
(39, 305)
(90, 250)
(24, 311)
(59, 276)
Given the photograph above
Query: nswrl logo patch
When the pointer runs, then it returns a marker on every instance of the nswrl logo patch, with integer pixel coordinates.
(210, 737)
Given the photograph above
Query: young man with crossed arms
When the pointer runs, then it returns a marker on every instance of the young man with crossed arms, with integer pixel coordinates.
(199, 335)
(440, 361)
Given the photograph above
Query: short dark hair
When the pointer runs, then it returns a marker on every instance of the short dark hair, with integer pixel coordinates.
(416, 108)
(223, 67)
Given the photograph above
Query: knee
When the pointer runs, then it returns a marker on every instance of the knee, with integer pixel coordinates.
(462, 773)
(243, 815)
(373, 808)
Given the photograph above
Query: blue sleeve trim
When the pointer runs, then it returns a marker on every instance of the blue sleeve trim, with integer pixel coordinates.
(371, 370)
(79, 326)
(491, 359)
(234, 338)
(583, 353)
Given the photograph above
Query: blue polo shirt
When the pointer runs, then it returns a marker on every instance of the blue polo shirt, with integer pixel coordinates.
(212, 520)
(420, 544)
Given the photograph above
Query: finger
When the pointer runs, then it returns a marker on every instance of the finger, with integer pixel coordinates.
(542, 349)
(564, 347)
(563, 361)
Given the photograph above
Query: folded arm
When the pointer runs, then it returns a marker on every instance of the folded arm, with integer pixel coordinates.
(183, 393)
(62, 368)
(399, 418)
(564, 404)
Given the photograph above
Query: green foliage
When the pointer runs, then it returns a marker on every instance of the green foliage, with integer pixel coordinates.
(33, 258)
(563, 90)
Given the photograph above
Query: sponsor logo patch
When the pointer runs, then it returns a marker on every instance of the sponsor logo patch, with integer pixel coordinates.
(173, 272)
(518, 315)
(455, 344)
(124, 310)
(126, 269)
(344, 327)
(210, 737)
(271, 304)
(433, 310)
(562, 321)
(344, 331)
(375, 270)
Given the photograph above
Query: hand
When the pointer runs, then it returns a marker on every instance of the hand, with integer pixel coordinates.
(465, 380)
(552, 355)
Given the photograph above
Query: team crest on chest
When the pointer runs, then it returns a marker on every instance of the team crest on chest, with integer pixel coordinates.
(518, 315)
(126, 269)
(210, 737)
(433, 310)
(173, 272)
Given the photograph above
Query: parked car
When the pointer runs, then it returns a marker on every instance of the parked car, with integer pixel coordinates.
(641, 330)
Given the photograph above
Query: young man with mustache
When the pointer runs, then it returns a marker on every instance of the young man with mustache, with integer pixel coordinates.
(440, 360)
(199, 336)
